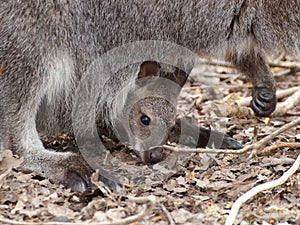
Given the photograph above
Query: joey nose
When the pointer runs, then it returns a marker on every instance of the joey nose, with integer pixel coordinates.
(156, 155)
(153, 156)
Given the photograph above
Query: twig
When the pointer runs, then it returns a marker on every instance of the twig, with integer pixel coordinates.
(101, 186)
(3, 175)
(197, 71)
(285, 72)
(214, 62)
(3, 68)
(285, 64)
(292, 114)
(171, 221)
(279, 95)
(288, 104)
(262, 187)
(256, 145)
(149, 201)
(217, 62)
(279, 145)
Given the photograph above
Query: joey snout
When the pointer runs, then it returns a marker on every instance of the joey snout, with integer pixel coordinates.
(151, 156)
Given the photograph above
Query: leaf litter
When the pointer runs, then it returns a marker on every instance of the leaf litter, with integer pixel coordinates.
(202, 192)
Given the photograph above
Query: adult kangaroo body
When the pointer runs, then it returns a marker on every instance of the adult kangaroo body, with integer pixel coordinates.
(46, 46)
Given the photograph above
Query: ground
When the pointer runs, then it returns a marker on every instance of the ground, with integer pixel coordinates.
(202, 191)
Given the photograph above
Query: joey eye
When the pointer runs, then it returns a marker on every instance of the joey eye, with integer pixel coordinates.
(145, 120)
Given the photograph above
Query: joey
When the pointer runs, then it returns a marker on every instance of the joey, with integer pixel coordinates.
(47, 47)
(149, 108)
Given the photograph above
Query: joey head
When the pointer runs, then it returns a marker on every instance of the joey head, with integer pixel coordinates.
(149, 110)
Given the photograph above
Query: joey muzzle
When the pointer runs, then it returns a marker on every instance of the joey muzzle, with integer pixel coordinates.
(152, 156)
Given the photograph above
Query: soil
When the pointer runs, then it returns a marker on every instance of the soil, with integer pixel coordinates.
(201, 192)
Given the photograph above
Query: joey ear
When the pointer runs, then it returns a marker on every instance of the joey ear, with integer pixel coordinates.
(178, 76)
(153, 68)
(181, 77)
(149, 68)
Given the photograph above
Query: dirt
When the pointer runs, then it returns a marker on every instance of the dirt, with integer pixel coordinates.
(201, 192)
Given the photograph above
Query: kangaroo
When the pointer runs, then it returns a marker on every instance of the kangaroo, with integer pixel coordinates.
(47, 46)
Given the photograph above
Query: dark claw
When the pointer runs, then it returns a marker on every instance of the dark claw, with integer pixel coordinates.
(263, 101)
(110, 181)
(80, 185)
(76, 183)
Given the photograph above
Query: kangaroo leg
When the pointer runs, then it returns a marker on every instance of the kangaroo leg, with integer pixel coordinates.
(252, 62)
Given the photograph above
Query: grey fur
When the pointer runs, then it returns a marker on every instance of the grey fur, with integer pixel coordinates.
(48, 45)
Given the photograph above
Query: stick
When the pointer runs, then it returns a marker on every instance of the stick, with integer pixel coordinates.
(262, 187)
(279, 95)
(217, 62)
(285, 72)
(288, 104)
(3, 68)
(171, 221)
(3, 175)
(256, 145)
(285, 64)
(279, 145)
